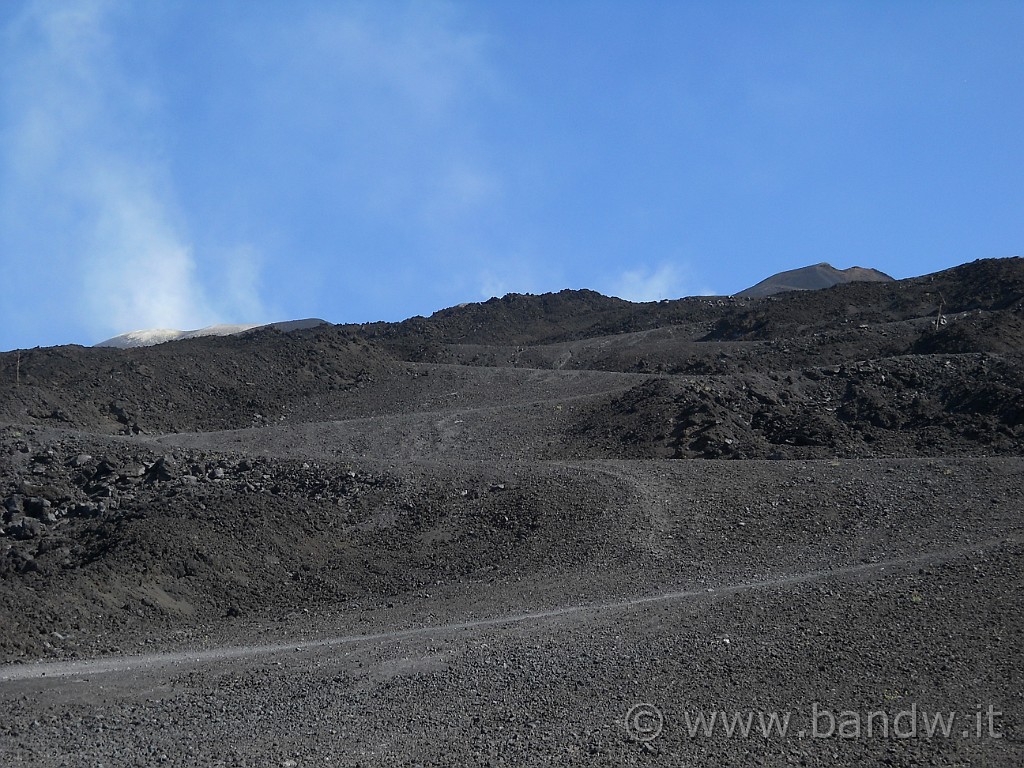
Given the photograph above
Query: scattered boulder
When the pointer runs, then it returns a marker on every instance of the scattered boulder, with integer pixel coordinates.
(37, 507)
(23, 528)
(81, 460)
(163, 469)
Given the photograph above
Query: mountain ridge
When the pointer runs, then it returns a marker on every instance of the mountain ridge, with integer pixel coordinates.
(801, 472)
(811, 278)
(152, 336)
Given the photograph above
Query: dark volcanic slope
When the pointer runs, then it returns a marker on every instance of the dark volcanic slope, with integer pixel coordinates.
(492, 531)
(199, 384)
(812, 278)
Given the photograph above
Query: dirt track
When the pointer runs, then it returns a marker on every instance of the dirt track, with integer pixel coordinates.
(101, 666)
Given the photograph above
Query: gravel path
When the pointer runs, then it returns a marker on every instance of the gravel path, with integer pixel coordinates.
(100, 666)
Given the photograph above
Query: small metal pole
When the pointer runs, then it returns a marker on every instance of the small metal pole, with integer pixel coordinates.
(938, 317)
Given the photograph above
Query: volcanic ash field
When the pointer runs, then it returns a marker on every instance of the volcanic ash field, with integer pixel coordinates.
(486, 537)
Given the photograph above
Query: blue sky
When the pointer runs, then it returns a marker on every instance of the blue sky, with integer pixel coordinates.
(178, 164)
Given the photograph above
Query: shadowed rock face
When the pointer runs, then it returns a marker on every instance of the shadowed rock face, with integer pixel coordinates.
(813, 278)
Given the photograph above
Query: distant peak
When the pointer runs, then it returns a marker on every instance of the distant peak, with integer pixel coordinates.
(152, 336)
(812, 278)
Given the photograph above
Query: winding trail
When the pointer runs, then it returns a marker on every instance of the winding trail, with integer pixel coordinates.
(113, 664)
